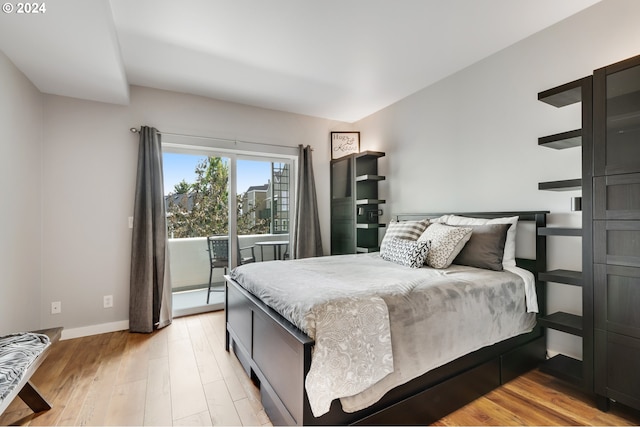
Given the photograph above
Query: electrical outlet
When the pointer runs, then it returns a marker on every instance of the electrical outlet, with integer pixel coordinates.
(130, 222)
(107, 301)
(56, 307)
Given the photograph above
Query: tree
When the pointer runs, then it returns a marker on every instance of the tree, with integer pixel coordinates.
(182, 187)
(248, 222)
(201, 209)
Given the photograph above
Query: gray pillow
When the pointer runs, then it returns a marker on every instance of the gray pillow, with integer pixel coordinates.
(485, 248)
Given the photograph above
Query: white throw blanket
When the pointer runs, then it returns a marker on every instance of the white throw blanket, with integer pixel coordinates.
(352, 350)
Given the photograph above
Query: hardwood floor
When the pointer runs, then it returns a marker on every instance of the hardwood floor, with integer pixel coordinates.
(182, 375)
(538, 399)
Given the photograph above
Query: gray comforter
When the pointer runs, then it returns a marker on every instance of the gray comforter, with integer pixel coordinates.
(377, 325)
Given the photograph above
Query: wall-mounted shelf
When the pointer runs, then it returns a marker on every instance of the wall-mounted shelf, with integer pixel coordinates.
(565, 368)
(370, 178)
(564, 185)
(368, 226)
(561, 96)
(565, 322)
(559, 231)
(561, 141)
(362, 250)
(370, 202)
(568, 277)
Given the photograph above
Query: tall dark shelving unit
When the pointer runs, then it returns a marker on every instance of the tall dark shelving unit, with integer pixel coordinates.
(616, 228)
(578, 372)
(610, 277)
(355, 203)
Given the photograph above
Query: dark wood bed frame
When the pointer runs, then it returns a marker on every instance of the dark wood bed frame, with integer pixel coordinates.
(277, 356)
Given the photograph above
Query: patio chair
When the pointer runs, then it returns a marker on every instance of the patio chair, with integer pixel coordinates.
(218, 248)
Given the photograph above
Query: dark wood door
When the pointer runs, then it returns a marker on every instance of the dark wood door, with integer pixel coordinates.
(616, 231)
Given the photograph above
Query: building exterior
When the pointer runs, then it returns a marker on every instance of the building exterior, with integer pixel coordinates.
(254, 202)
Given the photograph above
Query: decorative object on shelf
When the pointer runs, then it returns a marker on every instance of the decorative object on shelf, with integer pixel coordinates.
(344, 143)
(576, 204)
(373, 215)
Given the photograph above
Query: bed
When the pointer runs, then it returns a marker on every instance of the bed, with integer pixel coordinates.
(384, 374)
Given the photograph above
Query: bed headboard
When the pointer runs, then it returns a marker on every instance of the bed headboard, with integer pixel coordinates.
(539, 218)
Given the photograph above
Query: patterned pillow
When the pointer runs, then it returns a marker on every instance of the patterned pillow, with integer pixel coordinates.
(445, 243)
(409, 230)
(410, 253)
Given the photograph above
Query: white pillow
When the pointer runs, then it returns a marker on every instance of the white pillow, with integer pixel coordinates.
(509, 258)
(445, 243)
(440, 220)
(410, 253)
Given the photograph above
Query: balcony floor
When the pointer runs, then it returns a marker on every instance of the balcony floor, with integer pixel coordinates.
(190, 302)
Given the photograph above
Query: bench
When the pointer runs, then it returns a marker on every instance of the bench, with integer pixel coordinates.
(24, 388)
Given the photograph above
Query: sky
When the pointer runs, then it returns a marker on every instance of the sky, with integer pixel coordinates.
(177, 167)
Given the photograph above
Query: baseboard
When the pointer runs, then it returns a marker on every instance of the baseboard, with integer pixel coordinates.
(102, 328)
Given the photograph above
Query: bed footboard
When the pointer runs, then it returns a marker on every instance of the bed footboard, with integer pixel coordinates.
(272, 352)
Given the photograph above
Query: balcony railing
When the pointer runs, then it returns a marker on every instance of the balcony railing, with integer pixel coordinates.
(189, 259)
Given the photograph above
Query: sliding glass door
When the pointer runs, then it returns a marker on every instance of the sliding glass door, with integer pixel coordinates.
(223, 209)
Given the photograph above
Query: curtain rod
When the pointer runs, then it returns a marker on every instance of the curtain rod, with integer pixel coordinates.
(235, 141)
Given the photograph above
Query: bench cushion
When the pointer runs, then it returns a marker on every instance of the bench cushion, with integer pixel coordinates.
(17, 353)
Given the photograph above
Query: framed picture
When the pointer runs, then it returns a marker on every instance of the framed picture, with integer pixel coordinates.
(343, 143)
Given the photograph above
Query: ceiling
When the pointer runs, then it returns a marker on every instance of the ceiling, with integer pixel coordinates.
(336, 59)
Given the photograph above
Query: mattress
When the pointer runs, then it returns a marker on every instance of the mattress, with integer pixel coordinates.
(377, 324)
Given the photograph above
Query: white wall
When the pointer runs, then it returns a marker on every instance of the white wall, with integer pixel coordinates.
(469, 142)
(89, 176)
(20, 211)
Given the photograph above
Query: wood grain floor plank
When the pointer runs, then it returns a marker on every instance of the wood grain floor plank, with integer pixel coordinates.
(91, 355)
(94, 409)
(485, 412)
(126, 406)
(158, 345)
(203, 350)
(199, 419)
(227, 362)
(221, 408)
(135, 361)
(158, 402)
(248, 417)
(187, 393)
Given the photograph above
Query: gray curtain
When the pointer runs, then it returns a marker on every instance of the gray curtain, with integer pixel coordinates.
(307, 241)
(150, 284)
